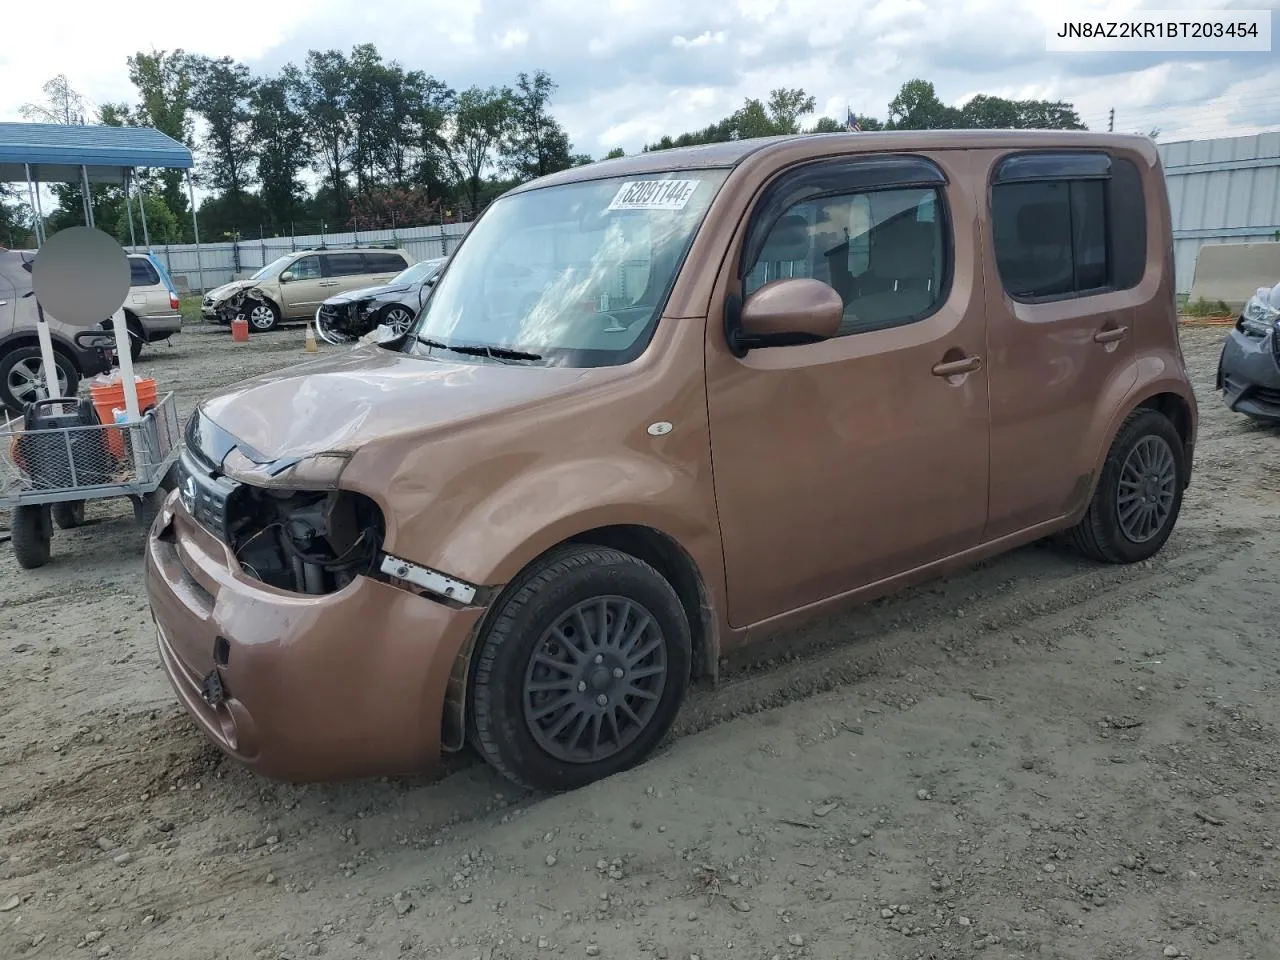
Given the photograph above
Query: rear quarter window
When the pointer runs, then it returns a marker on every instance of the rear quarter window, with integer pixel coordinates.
(142, 273)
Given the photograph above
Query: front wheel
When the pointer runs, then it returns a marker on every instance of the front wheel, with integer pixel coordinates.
(581, 671)
(22, 377)
(263, 316)
(69, 514)
(1139, 493)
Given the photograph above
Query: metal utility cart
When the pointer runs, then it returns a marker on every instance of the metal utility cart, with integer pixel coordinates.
(47, 475)
(47, 472)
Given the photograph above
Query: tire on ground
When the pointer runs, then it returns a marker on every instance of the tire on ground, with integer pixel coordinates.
(31, 355)
(1100, 534)
(31, 532)
(523, 617)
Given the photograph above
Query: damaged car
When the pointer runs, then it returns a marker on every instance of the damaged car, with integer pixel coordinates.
(349, 316)
(1249, 367)
(657, 409)
(292, 287)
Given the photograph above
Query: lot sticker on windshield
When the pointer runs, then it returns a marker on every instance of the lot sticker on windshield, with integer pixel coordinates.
(654, 194)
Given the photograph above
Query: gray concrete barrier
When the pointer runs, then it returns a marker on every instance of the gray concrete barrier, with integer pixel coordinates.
(1233, 272)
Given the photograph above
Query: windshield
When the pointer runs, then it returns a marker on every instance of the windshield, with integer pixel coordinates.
(572, 275)
(271, 269)
(419, 271)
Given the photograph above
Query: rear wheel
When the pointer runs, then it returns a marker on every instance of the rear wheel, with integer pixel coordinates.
(1139, 493)
(22, 377)
(581, 671)
(137, 339)
(32, 533)
(146, 508)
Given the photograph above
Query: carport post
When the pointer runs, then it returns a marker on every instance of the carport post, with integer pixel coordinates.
(88, 197)
(195, 228)
(128, 205)
(142, 209)
(35, 216)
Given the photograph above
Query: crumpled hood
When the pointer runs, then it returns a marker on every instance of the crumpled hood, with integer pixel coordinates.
(227, 289)
(365, 293)
(341, 403)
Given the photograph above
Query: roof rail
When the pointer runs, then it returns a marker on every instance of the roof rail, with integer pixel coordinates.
(371, 245)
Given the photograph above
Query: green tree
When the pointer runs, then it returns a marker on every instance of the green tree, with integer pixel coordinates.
(163, 80)
(755, 118)
(616, 153)
(917, 107)
(480, 125)
(535, 144)
(786, 107)
(324, 95)
(827, 125)
(163, 226)
(278, 133)
(220, 93)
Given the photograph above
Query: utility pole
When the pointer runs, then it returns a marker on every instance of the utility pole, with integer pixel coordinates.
(1111, 121)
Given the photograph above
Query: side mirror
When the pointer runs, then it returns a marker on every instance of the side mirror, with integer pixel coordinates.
(286, 277)
(785, 313)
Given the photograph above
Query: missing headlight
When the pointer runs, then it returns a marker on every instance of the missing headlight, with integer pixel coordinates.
(305, 542)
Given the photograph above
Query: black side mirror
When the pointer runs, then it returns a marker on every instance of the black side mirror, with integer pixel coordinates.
(26, 265)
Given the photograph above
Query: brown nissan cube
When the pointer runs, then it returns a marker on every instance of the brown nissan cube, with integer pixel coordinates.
(656, 409)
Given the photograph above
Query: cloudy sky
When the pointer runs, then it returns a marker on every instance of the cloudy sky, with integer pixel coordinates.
(632, 70)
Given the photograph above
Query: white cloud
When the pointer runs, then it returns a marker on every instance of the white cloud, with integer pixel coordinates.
(630, 71)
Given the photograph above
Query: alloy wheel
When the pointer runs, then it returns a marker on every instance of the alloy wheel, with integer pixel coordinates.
(26, 381)
(1145, 494)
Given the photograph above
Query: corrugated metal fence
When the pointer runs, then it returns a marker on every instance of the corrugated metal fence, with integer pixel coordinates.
(1221, 191)
(223, 262)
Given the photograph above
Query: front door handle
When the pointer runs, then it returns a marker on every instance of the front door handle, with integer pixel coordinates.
(328, 283)
(1111, 335)
(953, 368)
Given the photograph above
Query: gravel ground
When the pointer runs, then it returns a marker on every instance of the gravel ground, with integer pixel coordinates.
(1040, 758)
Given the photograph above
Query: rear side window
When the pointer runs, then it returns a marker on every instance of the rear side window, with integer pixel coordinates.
(1068, 225)
(142, 273)
(345, 264)
(385, 262)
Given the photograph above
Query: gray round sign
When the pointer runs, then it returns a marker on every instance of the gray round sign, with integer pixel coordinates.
(81, 276)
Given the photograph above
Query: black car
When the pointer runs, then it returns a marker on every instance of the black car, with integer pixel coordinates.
(349, 316)
(1249, 368)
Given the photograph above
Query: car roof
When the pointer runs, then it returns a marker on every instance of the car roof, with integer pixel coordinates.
(349, 250)
(730, 154)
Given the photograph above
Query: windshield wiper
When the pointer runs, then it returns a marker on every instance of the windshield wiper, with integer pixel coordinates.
(482, 350)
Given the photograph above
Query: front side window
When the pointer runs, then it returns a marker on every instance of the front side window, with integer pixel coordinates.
(306, 268)
(883, 251)
(574, 275)
(272, 269)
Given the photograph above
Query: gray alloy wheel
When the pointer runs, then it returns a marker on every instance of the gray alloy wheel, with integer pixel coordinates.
(25, 381)
(1148, 484)
(262, 317)
(398, 318)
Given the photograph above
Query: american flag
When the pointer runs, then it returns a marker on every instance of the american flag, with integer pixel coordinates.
(851, 123)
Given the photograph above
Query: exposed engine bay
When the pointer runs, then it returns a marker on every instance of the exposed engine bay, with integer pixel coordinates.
(305, 542)
(346, 322)
(240, 303)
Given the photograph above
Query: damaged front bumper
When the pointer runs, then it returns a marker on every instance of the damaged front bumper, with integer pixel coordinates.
(1249, 374)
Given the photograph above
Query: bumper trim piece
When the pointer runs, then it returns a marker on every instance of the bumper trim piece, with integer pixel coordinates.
(430, 580)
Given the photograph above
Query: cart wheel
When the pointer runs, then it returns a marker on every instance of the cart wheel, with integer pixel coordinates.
(32, 531)
(146, 508)
(169, 482)
(69, 514)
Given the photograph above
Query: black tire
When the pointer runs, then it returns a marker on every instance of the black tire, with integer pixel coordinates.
(169, 482)
(15, 364)
(137, 339)
(263, 317)
(543, 594)
(32, 533)
(1101, 534)
(68, 514)
(146, 508)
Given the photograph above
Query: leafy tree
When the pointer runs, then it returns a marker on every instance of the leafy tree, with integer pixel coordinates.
(615, 154)
(278, 134)
(324, 96)
(386, 208)
(220, 93)
(480, 124)
(163, 226)
(917, 107)
(535, 144)
(163, 79)
(827, 125)
(232, 216)
(786, 107)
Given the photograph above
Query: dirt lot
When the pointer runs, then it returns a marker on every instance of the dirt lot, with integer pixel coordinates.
(1041, 758)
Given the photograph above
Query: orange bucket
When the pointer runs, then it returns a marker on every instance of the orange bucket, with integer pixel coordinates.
(107, 398)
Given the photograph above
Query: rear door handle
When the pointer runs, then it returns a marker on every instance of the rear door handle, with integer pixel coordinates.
(1111, 336)
(328, 283)
(952, 368)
